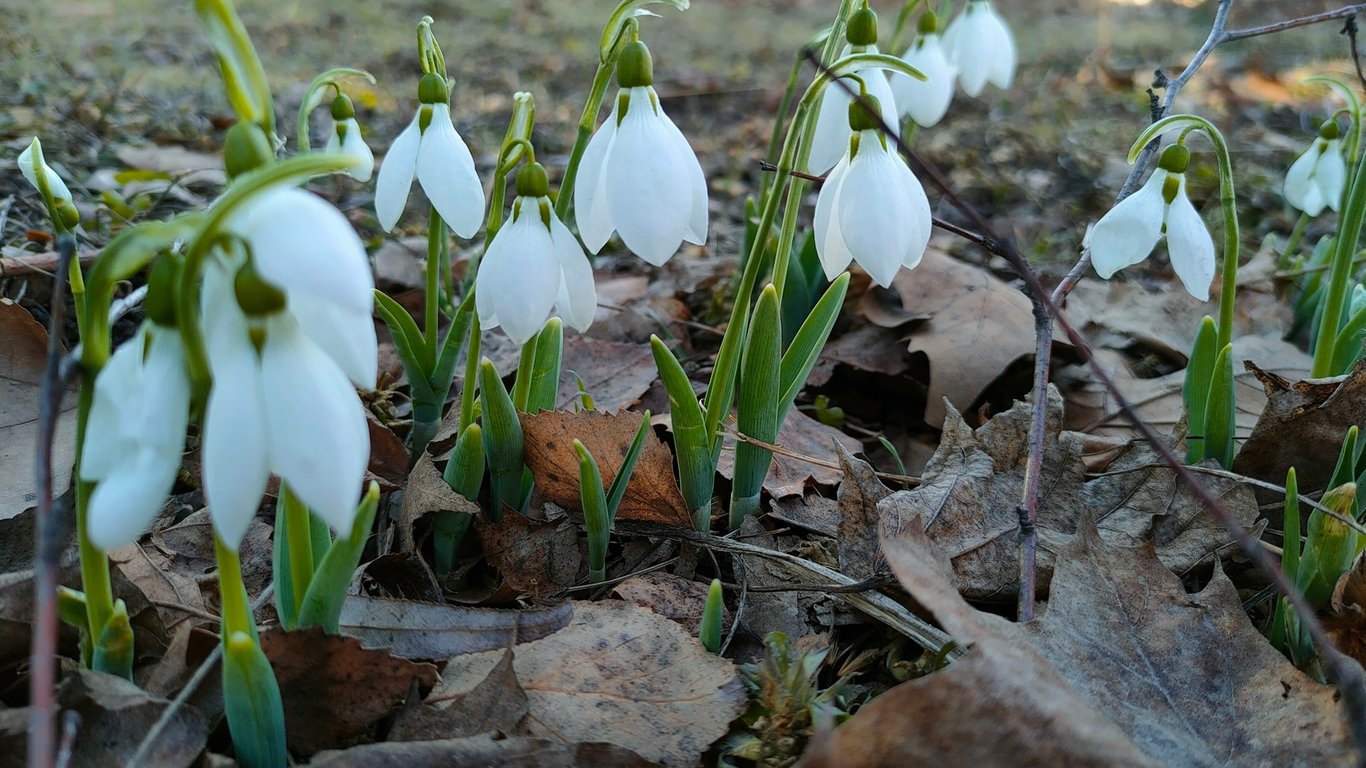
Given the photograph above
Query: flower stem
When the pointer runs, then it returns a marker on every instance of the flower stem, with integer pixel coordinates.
(300, 537)
(236, 610)
(1344, 248)
(470, 386)
(588, 120)
(1292, 244)
(99, 593)
(436, 233)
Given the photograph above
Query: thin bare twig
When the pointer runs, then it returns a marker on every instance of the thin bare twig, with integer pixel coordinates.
(781, 451)
(43, 659)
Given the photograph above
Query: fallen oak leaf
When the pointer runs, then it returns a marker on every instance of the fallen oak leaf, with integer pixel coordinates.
(432, 631)
(470, 698)
(801, 436)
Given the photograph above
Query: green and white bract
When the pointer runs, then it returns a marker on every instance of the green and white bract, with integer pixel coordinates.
(431, 149)
(345, 139)
(1130, 231)
(927, 101)
(979, 43)
(533, 266)
(1317, 177)
(282, 401)
(872, 210)
(30, 170)
(136, 431)
(831, 136)
(640, 178)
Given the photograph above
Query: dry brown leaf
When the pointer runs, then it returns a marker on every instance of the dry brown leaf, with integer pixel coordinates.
(884, 308)
(427, 493)
(432, 631)
(187, 549)
(191, 167)
(804, 436)
(636, 680)
(652, 493)
(536, 558)
(615, 375)
(23, 355)
(869, 348)
(1303, 426)
(470, 698)
(482, 750)
(859, 494)
(116, 715)
(333, 689)
(388, 455)
(398, 264)
(811, 511)
(166, 587)
(971, 489)
(673, 597)
(401, 576)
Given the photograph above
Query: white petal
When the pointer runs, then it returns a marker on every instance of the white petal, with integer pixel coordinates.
(302, 243)
(926, 101)
(345, 336)
(968, 53)
(1300, 189)
(446, 170)
(234, 450)
(1190, 246)
(165, 395)
(918, 215)
(55, 184)
(696, 232)
(520, 276)
(648, 188)
(311, 415)
(875, 212)
(880, 89)
(396, 175)
(118, 381)
(355, 146)
(834, 255)
(124, 504)
(590, 190)
(1331, 173)
(577, 300)
(1001, 73)
(830, 141)
(1127, 234)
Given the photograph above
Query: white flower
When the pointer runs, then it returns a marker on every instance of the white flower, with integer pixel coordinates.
(1131, 229)
(534, 265)
(135, 434)
(1316, 179)
(344, 138)
(431, 149)
(639, 177)
(281, 401)
(871, 210)
(926, 101)
(830, 139)
(30, 170)
(979, 43)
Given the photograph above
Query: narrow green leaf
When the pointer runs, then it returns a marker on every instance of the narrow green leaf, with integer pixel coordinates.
(896, 455)
(696, 462)
(1220, 410)
(545, 379)
(502, 441)
(251, 702)
(1290, 544)
(409, 342)
(596, 518)
(1195, 390)
(1349, 345)
(323, 603)
(628, 467)
(1349, 456)
(1331, 547)
(114, 649)
(709, 632)
(465, 475)
(285, 606)
(443, 373)
(526, 371)
(806, 346)
(721, 386)
(758, 407)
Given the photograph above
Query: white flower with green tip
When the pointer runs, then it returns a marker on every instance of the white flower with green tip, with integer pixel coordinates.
(830, 137)
(31, 163)
(1317, 177)
(344, 138)
(979, 43)
(925, 101)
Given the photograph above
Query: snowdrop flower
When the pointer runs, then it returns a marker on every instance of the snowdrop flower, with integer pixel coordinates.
(136, 431)
(638, 176)
(288, 332)
(1317, 178)
(1131, 229)
(925, 101)
(830, 138)
(871, 209)
(431, 149)
(979, 43)
(31, 164)
(534, 265)
(345, 138)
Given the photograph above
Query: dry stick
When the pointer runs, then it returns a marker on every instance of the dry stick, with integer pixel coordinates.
(42, 663)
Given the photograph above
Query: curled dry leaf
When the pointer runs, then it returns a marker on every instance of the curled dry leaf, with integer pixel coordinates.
(430, 631)
(859, 494)
(613, 373)
(673, 597)
(470, 698)
(535, 558)
(971, 489)
(23, 355)
(116, 715)
(803, 436)
(427, 493)
(333, 689)
(388, 455)
(652, 493)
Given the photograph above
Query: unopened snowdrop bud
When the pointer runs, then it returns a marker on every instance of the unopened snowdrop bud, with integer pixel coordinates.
(37, 172)
(1316, 179)
(862, 27)
(431, 150)
(979, 43)
(831, 133)
(345, 138)
(534, 267)
(926, 101)
(1131, 229)
(639, 177)
(245, 148)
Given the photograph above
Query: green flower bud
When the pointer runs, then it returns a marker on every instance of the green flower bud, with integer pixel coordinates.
(1330, 130)
(1175, 159)
(342, 108)
(928, 24)
(862, 27)
(246, 148)
(256, 296)
(532, 181)
(865, 113)
(67, 212)
(635, 67)
(160, 302)
(432, 90)
(1171, 187)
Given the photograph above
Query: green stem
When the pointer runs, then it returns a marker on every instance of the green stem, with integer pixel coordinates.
(436, 232)
(1292, 244)
(95, 581)
(1344, 248)
(588, 120)
(775, 139)
(526, 364)
(470, 387)
(300, 536)
(236, 610)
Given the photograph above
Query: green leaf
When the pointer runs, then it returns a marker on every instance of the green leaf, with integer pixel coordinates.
(1331, 547)
(285, 606)
(114, 649)
(545, 377)
(1220, 410)
(806, 347)
(526, 370)
(709, 632)
(464, 474)
(758, 407)
(628, 467)
(596, 517)
(1290, 540)
(1349, 344)
(409, 342)
(1195, 390)
(323, 603)
(696, 461)
(502, 441)
(251, 701)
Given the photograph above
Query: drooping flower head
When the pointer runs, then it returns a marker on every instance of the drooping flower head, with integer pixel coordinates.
(345, 138)
(830, 137)
(871, 209)
(431, 149)
(639, 177)
(979, 43)
(925, 101)
(534, 266)
(1131, 229)
(1316, 179)
(37, 172)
